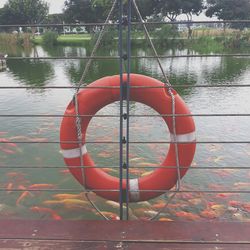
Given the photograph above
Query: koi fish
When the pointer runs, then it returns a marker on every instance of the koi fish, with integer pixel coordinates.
(219, 209)
(187, 215)
(11, 144)
(235, 203)
(53, 214)
(9, 187)
(147, 164)
(245, 207)
(14, 174)
(113, 204)
(136, 171)
(218, 159)
(67, 202)
(42, 186)
(159, 205)
(232, 209)
(65, 171)
(4, 140)
(19, 137)
(104, 154)
(68, 196)
(145, 204)
(137, 159)
(110, 215)
(147, 173)
(242, 185)
(151, 213)
(224, 195)
(8, 151)
(21, 187)
(240, 217)
(165, 219)
(38, 139)
(52, 202)
(209, 214)
(195, 201)
(76, 202)
(22, 196)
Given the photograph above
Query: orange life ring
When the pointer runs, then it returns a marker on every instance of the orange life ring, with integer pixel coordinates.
(91, 100)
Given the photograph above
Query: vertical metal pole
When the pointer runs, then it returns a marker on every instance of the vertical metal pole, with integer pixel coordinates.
(121, 105)
(129, 8)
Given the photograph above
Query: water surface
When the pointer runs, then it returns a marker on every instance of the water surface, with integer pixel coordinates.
(192, 71)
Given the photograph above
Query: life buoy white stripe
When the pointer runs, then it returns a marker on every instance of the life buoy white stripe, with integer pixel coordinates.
(190, 137)
(134, 190)
(74, 153)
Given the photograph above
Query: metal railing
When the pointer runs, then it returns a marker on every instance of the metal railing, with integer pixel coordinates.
(125, 98)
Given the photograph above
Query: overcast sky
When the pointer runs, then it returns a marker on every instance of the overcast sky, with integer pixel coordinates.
(55, 5)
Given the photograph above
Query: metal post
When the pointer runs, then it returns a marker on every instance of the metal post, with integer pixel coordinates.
(128, 104)
(121, 105)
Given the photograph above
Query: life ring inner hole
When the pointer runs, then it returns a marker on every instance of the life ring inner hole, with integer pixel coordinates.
(144, 158)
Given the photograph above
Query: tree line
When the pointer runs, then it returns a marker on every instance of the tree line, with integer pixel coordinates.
(83, 11)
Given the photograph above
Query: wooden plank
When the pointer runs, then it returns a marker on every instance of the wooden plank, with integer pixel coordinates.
(123, 235)
(55, 245)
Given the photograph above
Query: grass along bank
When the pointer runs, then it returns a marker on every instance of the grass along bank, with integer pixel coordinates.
(203, 40)
(72, 39)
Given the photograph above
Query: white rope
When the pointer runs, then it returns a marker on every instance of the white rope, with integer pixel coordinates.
(97, 44)
(78, 118)
(170, 91)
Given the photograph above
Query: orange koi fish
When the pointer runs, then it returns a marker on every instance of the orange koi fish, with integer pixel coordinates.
(209, 214)
(14, 174)
(19, 137)
(159, 205)
(22, 196)
(148, 164)
(69, 203)
(65, 171)
(11, 144)
(242, 185)
(8, 151)
(21, 187)
(225, 195)
(110, 215)
(165, 219)
(38, 139)
(3, 140)
(188, 215)
(9, 187)
(42, 186)
(53, 214)
(68, 196)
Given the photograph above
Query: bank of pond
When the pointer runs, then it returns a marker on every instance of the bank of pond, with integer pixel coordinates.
(200, 40)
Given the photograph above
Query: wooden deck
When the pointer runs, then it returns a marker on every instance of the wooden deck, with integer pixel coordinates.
(18, 234)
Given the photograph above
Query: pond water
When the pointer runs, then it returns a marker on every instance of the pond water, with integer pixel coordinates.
(22, 164)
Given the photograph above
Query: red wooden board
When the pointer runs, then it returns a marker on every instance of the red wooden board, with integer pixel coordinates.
(16, 234)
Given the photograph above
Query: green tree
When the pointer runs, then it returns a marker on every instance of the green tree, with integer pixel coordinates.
(83, 11)
(167, 8)
(190, 8)
(173, 8)
(228, 9)
(146, 7)
(24, 11)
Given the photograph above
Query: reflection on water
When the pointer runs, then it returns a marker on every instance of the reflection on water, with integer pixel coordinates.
(32, 73)
(185, 206)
